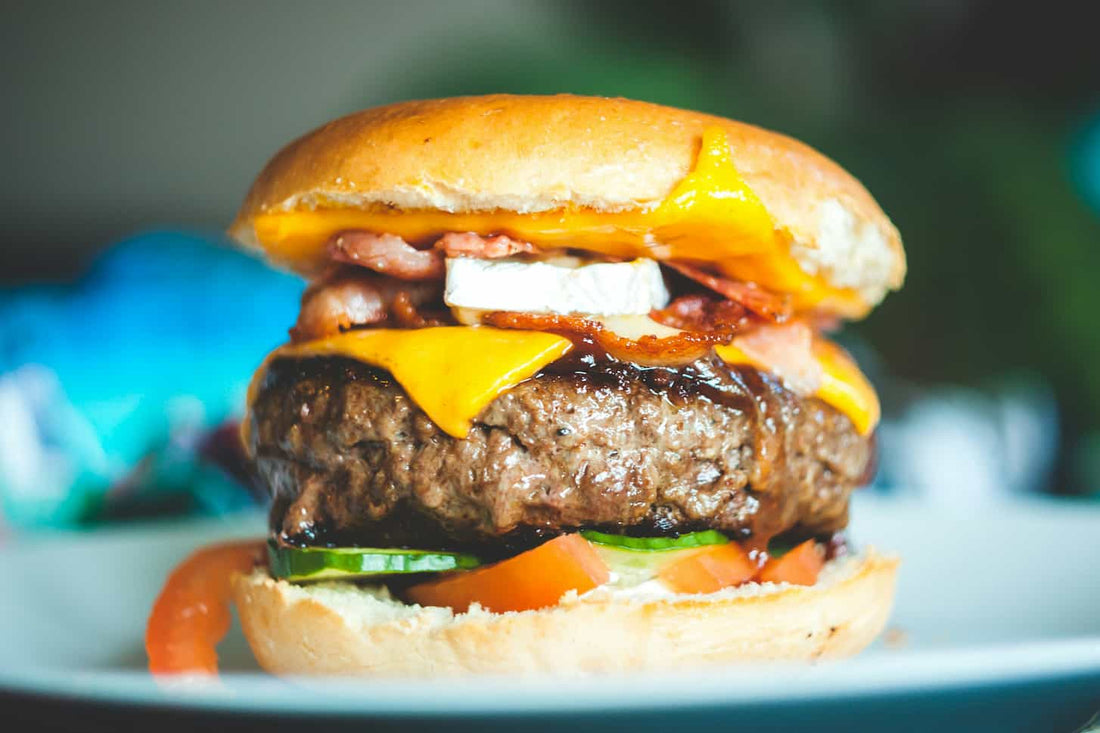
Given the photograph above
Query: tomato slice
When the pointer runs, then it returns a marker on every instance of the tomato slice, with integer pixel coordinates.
(191, 614)
(709, 569)
(800, 566)
(534, 579)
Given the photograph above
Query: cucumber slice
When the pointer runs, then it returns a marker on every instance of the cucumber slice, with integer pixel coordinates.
(323, 563)
(657, 544)
(634, 560)
(631, 567)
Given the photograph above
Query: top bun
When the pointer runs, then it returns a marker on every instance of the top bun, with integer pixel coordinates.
(527, 154)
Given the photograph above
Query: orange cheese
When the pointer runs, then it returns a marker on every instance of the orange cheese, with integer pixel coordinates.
(451, 372)
(710, 216)
(845, 387)
(842, 384)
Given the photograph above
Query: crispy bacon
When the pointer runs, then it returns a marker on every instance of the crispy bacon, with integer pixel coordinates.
(406, 293)
(683, 348)
(788, 350)
(334, 305)
(347, 298)
(386, 254)
(776, 308)
(468, 244)
(703, 312)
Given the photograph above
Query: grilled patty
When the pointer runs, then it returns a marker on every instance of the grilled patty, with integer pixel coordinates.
(351, 460)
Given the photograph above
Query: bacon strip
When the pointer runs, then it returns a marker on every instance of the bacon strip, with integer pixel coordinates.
(682, 348)
(774, 307)
(468, 244)
(788, 351)
(386, 254)
(703, 312)
(347, 298)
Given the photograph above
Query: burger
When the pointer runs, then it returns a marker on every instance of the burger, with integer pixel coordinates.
(558, 399)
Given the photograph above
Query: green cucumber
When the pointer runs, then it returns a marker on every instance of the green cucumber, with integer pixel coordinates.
(343, 563)
(656, 544)
(634, 560)
(631, 567)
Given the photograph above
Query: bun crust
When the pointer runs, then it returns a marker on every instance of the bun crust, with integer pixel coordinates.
(527, 153)
(295, 630)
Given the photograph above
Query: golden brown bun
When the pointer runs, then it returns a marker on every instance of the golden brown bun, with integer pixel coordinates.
(337, 629)
(529, 153)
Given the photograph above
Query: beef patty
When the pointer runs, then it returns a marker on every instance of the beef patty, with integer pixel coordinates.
(351, 460)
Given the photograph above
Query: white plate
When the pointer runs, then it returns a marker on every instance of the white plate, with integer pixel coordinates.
(997, 624)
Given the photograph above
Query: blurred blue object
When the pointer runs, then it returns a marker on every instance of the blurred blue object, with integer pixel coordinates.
(115, 380)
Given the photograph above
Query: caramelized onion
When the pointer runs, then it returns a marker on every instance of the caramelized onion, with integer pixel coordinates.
(408, 314)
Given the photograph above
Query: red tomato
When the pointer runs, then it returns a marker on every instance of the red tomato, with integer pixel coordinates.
(709, 569)
(191, 614)
(534, 579)
(800, 566)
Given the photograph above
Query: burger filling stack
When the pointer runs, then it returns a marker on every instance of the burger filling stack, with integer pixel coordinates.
(560, 398)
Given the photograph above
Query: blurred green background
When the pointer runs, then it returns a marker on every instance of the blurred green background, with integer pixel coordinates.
(975, 124)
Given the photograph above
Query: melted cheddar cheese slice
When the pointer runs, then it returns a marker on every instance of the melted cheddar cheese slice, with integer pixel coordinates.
(710, 216)
(842, 385)
(845, 387)
(451, 372)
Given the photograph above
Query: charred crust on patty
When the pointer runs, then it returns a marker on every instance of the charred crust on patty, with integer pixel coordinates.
(351, 460)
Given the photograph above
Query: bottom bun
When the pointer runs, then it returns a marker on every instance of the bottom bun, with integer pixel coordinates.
(343, 629)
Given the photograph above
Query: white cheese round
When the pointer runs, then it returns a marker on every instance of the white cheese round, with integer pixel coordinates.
(605, 288)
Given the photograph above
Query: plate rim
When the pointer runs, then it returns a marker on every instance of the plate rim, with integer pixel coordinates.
(885, 673)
